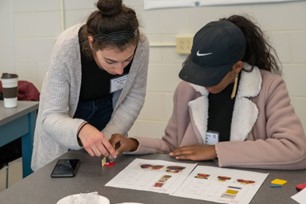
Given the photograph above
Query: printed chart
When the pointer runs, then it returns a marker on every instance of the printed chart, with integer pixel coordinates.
(221, 185)
(152, 175)
(215, 184)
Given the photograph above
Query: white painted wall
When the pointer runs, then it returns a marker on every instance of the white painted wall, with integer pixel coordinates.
(30, 28)
(6, 37)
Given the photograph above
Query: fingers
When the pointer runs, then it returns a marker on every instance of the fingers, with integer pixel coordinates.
(122, 143)
(96, 150)
(107, 148)
(183, 153)
(89, 151)
(121, 148)
(118, 142)
(93, 151)
(195, 152)
(97, 145)
(115, 140)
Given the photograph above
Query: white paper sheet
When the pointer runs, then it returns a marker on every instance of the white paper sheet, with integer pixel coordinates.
(156, 4)
(221, 185)
(152, 175)
(300, 197)
(215, 184)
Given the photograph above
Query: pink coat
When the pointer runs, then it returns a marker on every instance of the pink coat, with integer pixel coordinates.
(265, 131)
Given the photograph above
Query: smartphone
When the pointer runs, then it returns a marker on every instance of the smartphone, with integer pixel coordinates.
(65, 168)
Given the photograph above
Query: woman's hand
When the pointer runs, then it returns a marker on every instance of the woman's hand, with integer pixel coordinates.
(94, 142)
(123, 144)
(195, 152)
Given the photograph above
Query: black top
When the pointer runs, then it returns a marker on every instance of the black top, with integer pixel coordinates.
(220, 112)
(95, 81)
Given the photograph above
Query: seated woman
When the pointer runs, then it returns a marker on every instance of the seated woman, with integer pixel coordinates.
(232, 104)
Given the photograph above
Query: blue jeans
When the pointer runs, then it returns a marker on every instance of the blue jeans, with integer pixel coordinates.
(96, 112)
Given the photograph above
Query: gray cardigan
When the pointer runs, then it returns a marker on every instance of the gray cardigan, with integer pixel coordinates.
(56, 130)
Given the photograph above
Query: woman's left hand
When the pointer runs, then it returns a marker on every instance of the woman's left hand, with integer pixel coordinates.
(195, 152)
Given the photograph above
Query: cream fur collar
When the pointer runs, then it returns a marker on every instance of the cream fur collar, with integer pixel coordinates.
(245, 111)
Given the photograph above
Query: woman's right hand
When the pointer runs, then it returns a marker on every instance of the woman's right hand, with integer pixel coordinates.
(95, 143)
(122, 143)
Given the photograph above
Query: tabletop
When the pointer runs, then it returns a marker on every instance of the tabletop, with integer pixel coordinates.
(9, 114)
(39, 187)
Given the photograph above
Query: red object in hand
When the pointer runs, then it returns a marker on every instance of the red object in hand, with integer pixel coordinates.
(110, 164)
(301, 186)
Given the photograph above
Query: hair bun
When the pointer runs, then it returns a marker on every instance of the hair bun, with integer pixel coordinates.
(109, 7)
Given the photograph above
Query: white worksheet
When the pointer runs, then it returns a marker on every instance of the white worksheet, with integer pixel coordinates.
(300, 197)
(221, 185)
(152, 175)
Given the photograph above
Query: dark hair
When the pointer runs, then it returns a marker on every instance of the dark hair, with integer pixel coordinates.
(112, 25)
(258, 51)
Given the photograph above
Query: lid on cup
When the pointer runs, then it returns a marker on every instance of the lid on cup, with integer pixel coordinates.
(9, 76)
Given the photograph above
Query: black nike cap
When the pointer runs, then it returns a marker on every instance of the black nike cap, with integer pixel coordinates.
(216, 48)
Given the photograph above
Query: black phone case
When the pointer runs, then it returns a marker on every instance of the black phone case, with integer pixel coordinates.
(65, 168)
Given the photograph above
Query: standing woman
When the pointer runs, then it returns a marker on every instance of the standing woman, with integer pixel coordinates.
(95, 85)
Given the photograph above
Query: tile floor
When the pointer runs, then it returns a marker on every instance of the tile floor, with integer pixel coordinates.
(15, 174)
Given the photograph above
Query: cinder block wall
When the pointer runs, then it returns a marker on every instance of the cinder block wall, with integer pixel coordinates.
(29, 29)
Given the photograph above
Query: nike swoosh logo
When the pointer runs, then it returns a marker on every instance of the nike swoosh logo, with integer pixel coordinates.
(203, 54)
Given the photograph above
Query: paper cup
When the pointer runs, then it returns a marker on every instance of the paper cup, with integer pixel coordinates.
(84, 198)
(10, 89)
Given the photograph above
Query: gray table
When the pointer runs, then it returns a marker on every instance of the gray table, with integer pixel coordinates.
(39, 187)
(17, 123)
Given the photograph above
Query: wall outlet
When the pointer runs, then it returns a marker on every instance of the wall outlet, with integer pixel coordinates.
(184, 44)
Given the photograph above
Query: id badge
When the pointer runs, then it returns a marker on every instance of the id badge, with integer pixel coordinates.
(118, 83)
(211, 138)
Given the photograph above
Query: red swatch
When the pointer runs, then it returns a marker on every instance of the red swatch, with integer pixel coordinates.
(110, 164)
